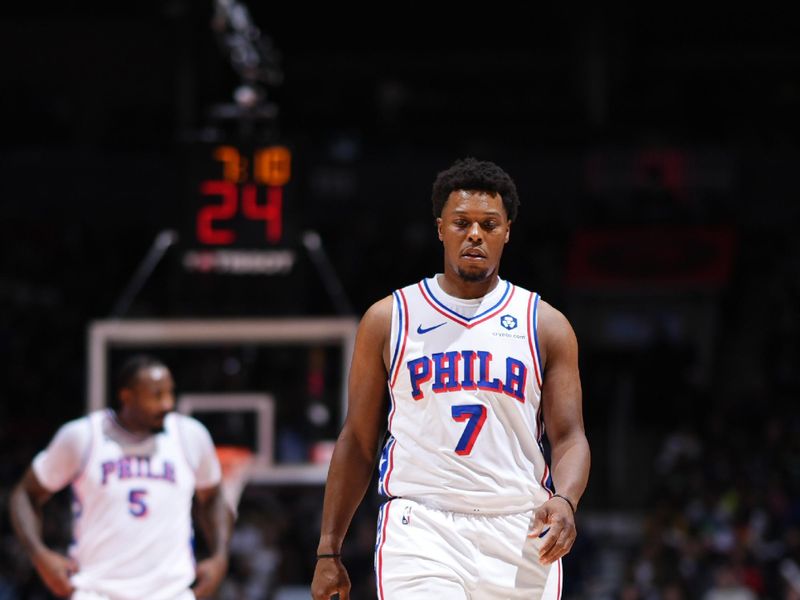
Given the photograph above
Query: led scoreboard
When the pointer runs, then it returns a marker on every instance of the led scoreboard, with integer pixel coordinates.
(236, 222)
(254, 195)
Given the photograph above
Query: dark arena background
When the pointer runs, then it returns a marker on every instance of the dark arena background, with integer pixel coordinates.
(174, 162)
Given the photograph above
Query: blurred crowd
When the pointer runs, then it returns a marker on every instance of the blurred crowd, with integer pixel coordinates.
(724, 521)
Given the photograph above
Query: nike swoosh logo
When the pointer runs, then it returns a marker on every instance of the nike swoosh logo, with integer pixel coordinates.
(422, 330)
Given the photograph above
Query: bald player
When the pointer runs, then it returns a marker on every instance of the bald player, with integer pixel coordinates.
(134, 473)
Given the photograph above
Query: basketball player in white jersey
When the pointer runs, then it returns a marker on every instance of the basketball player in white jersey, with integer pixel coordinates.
(477, 370)
(133, 473)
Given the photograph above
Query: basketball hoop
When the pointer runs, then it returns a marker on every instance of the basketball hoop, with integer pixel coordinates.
(235, 462)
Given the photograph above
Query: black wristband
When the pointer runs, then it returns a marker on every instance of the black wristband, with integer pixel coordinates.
(567, 500)
(331, 555)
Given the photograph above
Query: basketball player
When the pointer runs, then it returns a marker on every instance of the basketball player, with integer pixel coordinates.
(477, 370)
(133, 474)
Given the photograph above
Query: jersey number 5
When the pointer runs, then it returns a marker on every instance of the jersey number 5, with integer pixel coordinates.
(137, 507)
(474, 415)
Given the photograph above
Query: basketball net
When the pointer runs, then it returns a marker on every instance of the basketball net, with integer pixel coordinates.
(235, 462)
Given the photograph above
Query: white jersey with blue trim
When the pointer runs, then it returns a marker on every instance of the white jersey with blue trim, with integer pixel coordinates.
(465, 387)
(133, 496)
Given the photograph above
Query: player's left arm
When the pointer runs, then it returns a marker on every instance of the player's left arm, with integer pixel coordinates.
(216, 521)
(563, 419)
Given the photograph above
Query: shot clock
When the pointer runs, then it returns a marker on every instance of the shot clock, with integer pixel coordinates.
(243, 204)
(236, 222)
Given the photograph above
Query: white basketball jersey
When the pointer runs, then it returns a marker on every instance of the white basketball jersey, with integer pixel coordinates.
(132, 528)
(465, 386)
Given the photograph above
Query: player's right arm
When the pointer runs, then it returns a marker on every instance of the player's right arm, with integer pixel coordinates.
(25, 506)
(356, 449)
(50, 471)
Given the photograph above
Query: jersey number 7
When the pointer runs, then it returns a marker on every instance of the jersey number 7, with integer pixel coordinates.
(474, 415)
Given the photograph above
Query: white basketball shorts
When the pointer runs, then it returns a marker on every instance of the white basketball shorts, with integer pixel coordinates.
(424, 553)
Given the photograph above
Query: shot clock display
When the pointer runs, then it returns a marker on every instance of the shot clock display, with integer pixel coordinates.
(236, 222)
(250, 192)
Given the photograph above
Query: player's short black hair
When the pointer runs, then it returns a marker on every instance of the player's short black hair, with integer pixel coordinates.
(129, 371)
(479, 175)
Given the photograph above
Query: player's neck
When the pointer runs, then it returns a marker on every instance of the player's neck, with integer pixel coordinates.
(125, 423)
(453, 285)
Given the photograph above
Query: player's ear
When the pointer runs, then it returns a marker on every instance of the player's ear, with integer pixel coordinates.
(439, 227)
(508, 231)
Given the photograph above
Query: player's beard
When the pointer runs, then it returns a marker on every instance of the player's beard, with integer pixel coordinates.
(473, 276)
(158, 427)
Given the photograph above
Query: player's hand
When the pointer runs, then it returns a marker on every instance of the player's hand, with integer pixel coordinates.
(209, 574)
(554, 522)
(55, 570)
(330, 577)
